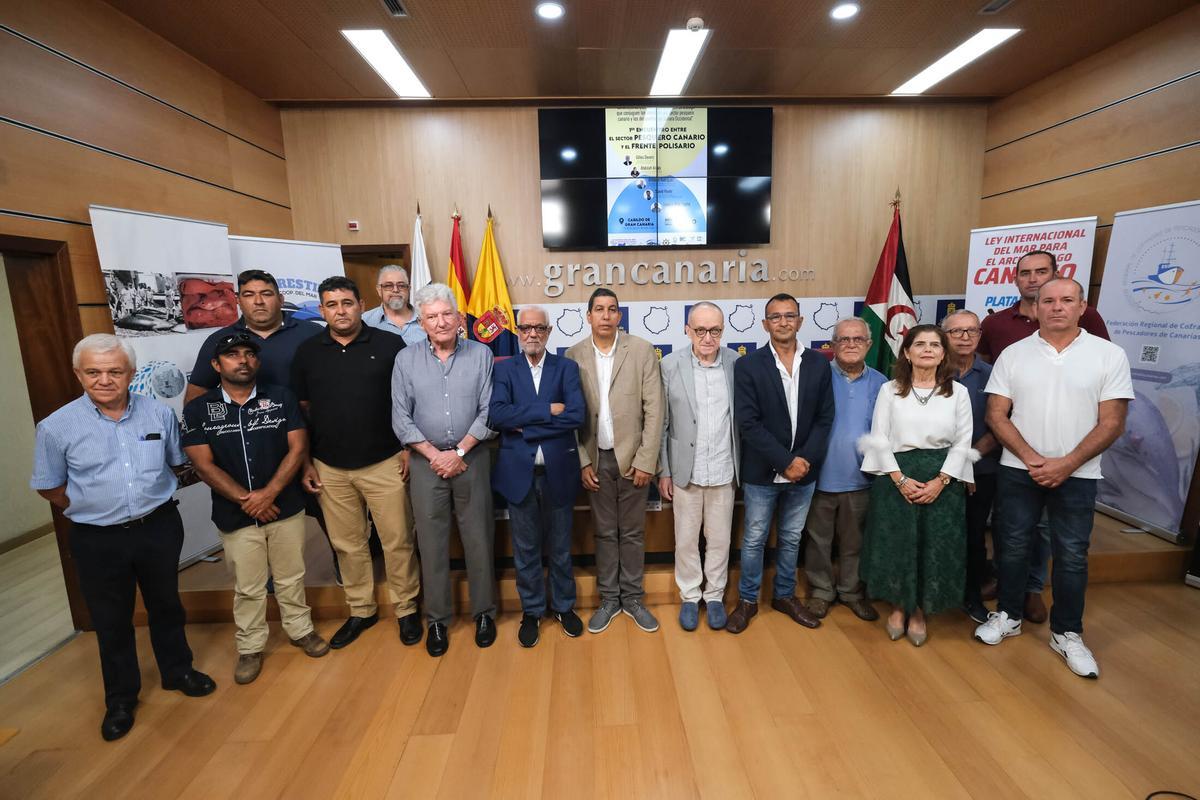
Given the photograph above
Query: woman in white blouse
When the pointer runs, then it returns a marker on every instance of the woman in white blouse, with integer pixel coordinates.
(914, 548)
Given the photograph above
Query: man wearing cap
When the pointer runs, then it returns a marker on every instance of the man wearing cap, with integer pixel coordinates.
(247, 441)
(107, 460)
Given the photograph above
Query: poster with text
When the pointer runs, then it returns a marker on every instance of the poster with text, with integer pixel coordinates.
(994, 252)
(298, 268)
(1150, 300)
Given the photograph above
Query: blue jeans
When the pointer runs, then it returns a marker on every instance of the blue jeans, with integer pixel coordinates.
(793, 501)
(1070, 508)
(535, 523)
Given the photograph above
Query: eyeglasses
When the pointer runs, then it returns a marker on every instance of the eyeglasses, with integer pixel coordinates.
(393, 287)
(963, 333)
(540, 330)
(789, 316)
(702, 333)
(858, 340)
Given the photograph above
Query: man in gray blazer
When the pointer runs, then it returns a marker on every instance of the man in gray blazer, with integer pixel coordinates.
(698, 463)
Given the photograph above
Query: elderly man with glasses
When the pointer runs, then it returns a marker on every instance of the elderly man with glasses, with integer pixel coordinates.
(698, 463)
(537, 405)
(963, 329)
(395, 313)
(839, 506)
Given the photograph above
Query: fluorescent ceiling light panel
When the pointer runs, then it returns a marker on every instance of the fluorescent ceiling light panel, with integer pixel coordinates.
(375, 46)
(957, 58)
(679, 57)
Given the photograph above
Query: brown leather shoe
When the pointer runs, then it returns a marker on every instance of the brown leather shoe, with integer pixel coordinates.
(312, 645)
(1035, 608)
(249, 665)
(740, 618)
(796, 610)
(818, 606)
(863, 610)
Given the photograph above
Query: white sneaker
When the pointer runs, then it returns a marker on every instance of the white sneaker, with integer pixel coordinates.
(1071, 647)
(997, 628)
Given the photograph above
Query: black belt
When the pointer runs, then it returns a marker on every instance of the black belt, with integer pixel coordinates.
(136, 522)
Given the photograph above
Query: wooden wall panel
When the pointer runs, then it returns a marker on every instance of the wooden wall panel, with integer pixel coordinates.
(1161, 53)
(835, 169)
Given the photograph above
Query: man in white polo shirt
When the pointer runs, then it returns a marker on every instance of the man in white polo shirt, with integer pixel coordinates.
(1068, 392)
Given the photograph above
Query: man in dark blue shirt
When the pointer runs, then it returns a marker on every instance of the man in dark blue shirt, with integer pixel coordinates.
(247, 441)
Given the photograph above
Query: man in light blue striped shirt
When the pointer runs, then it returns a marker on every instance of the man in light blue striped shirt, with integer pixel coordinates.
(107, 461)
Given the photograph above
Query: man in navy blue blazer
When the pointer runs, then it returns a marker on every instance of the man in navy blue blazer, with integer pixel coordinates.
(783, 408)
(537, 404)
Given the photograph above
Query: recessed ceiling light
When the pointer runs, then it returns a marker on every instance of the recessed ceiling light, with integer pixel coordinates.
(568, 154)
(679, 57)
(844, 10)
(549, 10)
(378, 50)
(957, 58)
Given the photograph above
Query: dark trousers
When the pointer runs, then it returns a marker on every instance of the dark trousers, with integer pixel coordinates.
(539, 527)
(1071, 509)
(112, 562)
(979, 506)
(840, 516)
(619, 514)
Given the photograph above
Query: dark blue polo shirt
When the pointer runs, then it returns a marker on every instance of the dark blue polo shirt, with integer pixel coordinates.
(975, 382)
(249, 442)
(275, 356)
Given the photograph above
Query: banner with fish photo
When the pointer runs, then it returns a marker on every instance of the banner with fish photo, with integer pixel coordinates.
(1150, 300)
(298, 268)
(169, 283)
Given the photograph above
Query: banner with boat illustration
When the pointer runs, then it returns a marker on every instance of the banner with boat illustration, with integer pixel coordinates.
(1150, 300)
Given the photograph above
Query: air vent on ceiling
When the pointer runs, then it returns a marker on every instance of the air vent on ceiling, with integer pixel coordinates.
(991, 7)
(397, 9)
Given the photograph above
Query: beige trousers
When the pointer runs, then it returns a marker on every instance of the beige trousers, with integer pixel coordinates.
(710, 507)
(255, 551)
(345, 497)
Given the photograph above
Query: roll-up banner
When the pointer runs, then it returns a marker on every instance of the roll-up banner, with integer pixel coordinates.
(1150, 301)
(993, 255)
(298, 267)
(169, 284)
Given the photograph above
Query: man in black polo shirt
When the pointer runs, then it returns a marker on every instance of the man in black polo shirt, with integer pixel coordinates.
(247, 441)
(343, 381)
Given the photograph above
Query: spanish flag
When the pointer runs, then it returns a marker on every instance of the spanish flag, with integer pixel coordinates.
(490, 316)
(456, 278)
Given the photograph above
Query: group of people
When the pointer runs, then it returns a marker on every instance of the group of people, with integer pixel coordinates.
(387, 413)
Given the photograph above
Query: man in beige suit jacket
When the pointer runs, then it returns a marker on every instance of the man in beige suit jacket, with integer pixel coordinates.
(618, 454)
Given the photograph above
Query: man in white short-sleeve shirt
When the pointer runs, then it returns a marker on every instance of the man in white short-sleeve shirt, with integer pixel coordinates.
(1067, 392)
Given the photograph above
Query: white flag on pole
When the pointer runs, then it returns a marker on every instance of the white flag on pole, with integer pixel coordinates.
(418, 275)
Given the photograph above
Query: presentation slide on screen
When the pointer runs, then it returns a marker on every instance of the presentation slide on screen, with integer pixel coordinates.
(657, 164)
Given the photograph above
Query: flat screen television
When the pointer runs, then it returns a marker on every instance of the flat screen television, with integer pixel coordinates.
(655, 177)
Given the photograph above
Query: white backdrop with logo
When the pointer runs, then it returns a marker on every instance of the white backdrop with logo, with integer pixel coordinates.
(992, 259)
(169, 284)
(1150, 301)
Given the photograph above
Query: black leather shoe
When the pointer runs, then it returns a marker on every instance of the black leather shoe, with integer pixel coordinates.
(351, 630)
(437, 641)
(410, 628)
(118, 721)
(192, 683)
(485, 631)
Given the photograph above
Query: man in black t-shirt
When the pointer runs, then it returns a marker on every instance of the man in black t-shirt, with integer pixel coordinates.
(247, 441)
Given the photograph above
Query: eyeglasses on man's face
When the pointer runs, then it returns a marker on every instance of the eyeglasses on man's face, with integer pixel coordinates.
(394, 287)
(854, 340)
(539, 330)
(784, 316)
(703, 333)
(962, 333)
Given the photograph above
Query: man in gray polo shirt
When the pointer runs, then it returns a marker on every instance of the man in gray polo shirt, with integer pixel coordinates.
(441, 390)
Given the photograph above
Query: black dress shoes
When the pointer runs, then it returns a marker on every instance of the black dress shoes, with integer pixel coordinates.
(410, 628)
(437, 641)
(485, 631)
(351, 630)
(118, 720)
(192, 683)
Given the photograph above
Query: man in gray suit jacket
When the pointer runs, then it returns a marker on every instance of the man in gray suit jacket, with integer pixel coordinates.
(698, 462)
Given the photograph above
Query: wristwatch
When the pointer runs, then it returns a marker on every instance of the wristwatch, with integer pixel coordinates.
(946, 480)
(458, 451)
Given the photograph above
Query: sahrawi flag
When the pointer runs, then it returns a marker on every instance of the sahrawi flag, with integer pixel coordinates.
(490, 313)
(418, 276)
(889, 309)
(457, 273)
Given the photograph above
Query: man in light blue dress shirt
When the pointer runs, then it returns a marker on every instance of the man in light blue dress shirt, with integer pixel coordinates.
(839, 507)
(107, 460)
(394, 313)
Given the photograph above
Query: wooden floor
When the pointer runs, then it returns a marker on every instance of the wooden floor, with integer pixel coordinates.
(777, 712)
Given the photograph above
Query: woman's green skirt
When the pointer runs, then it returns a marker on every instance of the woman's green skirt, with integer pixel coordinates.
(914, 556)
